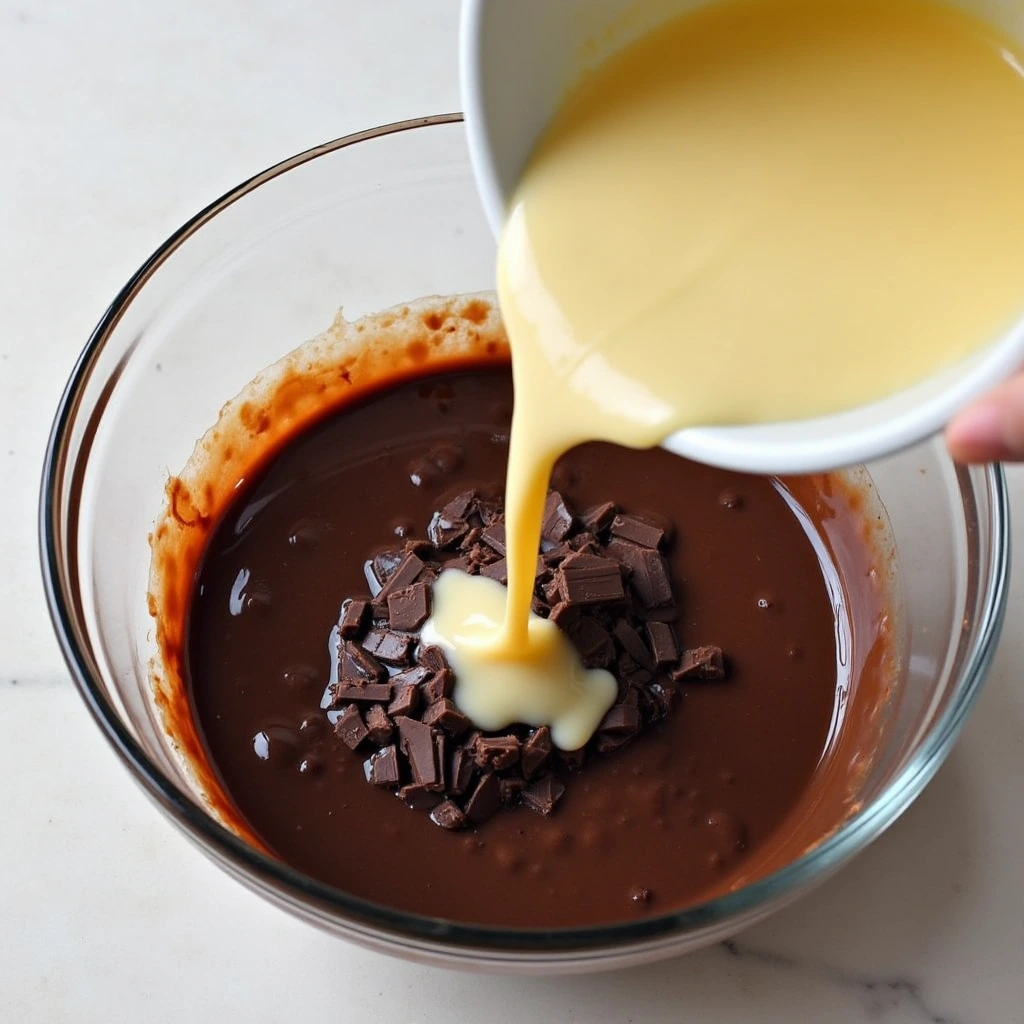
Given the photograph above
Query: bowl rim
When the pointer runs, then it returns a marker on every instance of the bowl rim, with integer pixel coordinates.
(223, 845)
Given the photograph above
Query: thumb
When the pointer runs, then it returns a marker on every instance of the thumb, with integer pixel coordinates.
(992, 429)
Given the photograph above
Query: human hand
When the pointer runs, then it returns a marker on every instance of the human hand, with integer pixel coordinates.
(992, 428)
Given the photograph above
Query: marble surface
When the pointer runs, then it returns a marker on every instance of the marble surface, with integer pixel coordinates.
(119, 119)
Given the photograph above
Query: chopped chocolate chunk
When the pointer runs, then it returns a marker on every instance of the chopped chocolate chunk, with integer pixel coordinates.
(649, 578)
(573, 759)
(387, 645)
(357, 665)
(497, 570)
(350, 728)
(417, 741)
(379, 728)
(599, 517)
(535, 752)
(444, 532)
(347, 691)
(565, 616)
(409, 607)
(406, 700)
(381, 768)
(554, 557)
(404, 575)
(593, 643)
(510, 790)
(621, 718)
(431, 658)
(440, 759)
(632, 643)
(542, 795)
(470, 541)
(461, 770)
(445, 715)
(449, 815)
(700, 663)
(383, 565)
(460, 506)
(494, 537)
(419, 797)
(662, 640)
(589, 579)
(438, 686)
(557, 522)
(638, 530)
(629, 669)
(496, 752)
(354, 613)
(486, 799)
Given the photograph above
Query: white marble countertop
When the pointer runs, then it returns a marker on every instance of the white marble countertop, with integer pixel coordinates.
(120, 119)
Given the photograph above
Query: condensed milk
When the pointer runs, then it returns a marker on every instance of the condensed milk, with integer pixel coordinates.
(764, 210)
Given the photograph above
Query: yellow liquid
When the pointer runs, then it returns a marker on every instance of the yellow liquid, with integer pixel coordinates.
(764, 210)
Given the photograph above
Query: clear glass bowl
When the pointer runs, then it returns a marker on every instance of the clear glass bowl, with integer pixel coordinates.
(372, 220)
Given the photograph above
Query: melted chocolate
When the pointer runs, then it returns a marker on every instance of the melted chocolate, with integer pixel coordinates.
(717, 792)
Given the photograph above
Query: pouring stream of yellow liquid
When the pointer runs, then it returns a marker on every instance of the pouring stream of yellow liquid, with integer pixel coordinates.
(764, 210)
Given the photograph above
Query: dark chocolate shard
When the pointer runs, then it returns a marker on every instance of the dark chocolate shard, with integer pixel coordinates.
(486, 799)
(542, 796)
(638, 530)
(383, 565)
(460, 506)
(510, 790)
(417, 742)
(599, 517)
(700, 663)
(632, 643)
(409, 607)
(431, 658)
(461, 770)
(388, 646)
(348, 692)
(496, 752)
(405, 575)
(662, 641)
(558, 520)
(593, 643)
(379, 727)
(406, 700)
(354, 615)
(565, 616)
(445, 532)
(357, 665)
(438, 686)
(449, 815)
(445, 715)
(497, 570)
(649, 576)
(621, 719)
(350, 727)
(382, 768)
(419, 797)
(494, 537)
(535, 751)
(440, 759)
(589, 579)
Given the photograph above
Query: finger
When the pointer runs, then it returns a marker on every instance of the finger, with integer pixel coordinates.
(992, 429)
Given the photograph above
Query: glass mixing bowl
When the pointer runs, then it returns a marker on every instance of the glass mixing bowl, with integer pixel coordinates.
(372, 220)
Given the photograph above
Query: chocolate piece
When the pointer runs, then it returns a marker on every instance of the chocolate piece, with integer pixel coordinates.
(449, 815)
(383, 565)
(409, 607)
(350, 728)
(638, 530)
(557, 522)
(494, 537)
(621, 718)
(387, 645)
(535, 751)
(662, 640)
(354, 613)
(405, 701)
(486, 799)
(700, 663)
(417, 742)
(649, 578)
(345, 692)
(589, 579)
(461, 770)
(496, 752)
(510, 790)
(357, 665)
(438, 686)
(542, 795)
(565, 616)
(633, 645)
(379, 728)
(381, 768)
(418, 797)
(405, 574)
(497, 570)
(444, 532)
(593, 643)
(440, 759)
(599, 517)
(431, 658)
(445, 715)
(460, 506)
